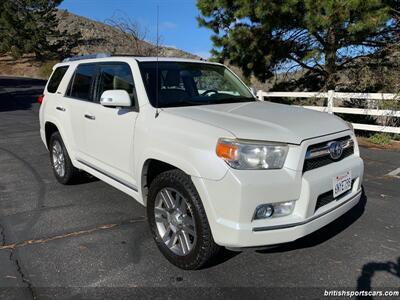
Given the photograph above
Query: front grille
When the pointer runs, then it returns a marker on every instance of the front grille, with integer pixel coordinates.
(327, 197)
(317, 162)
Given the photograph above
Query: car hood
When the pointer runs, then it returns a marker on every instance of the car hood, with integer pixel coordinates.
(265, 121)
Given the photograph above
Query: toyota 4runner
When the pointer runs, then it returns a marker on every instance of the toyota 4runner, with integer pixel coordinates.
(213, 165)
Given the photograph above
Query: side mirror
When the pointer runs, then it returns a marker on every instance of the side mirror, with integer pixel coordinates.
(118, 98)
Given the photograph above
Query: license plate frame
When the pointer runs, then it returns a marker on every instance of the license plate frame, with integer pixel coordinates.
(341, 183)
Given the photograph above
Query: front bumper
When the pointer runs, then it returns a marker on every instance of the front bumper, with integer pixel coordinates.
(230, 202)
(271, 235)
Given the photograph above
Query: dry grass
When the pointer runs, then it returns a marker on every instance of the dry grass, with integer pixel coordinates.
(366, 142)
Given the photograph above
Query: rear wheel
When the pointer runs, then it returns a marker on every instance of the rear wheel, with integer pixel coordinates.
(62, 166)
(178, 221)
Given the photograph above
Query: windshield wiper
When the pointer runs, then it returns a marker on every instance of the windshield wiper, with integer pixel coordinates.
(188, 102)
(232, 100)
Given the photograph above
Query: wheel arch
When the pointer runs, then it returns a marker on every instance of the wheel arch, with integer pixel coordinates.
(51, 126)
(164, 161)
(164, 165)
(49, 129)
(149, 171)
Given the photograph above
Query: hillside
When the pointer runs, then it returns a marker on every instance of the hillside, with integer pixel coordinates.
(100, 37)
(96, 37)
(377, 73)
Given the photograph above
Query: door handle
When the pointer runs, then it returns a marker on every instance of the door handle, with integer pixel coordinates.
(60, 108)
(90, 117)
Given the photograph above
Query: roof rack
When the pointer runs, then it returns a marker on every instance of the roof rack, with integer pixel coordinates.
(89, 56)
(128, 55)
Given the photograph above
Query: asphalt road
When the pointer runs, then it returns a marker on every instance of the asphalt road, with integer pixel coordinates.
(90, 240)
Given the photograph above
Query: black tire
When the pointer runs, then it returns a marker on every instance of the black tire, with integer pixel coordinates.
(71, 172)
(204, 249)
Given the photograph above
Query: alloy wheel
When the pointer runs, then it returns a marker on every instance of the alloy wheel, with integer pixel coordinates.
(175, 221)
(58, 159)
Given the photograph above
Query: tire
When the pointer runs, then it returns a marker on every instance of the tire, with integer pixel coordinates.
(193, 235)
(57, 149)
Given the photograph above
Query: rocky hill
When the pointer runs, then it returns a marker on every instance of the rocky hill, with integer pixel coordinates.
(96, 37)
(377, 73)
(100, 37)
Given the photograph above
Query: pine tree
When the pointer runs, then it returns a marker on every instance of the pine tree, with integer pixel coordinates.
(30, 26)
(322, 36)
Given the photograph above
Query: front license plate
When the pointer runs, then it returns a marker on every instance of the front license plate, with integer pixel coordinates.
(341, 184)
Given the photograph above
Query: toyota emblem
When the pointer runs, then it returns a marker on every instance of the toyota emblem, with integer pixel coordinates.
(335, 150)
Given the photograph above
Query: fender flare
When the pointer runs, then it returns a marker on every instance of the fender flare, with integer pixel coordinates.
(177, 162)
(61, 131)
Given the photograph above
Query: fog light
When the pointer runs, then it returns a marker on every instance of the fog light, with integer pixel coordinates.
(283, 208)
(273, 210)
(264, 211)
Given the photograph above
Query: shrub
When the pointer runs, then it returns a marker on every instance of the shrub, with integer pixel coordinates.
(380, 139)
(46, 69)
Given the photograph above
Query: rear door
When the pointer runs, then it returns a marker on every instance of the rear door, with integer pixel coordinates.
(54, 103)
(109, 131)
(79, 96)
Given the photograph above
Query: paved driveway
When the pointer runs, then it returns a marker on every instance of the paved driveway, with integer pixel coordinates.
(92, 240)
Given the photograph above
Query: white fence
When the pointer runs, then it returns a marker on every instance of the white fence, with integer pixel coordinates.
(331, 108)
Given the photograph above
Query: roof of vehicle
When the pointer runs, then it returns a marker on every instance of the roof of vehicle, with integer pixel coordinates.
(153, 58)
(107, 57)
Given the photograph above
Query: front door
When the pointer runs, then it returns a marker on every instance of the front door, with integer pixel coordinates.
(109, 131)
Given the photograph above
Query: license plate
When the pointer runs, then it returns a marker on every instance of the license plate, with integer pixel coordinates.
(341, 184)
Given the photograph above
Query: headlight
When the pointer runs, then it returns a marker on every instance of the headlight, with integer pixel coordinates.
(252, 155)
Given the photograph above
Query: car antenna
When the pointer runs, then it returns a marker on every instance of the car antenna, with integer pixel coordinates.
(157, 49)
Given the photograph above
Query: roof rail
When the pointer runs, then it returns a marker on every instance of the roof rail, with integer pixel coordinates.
(128, 55)
(89, 56)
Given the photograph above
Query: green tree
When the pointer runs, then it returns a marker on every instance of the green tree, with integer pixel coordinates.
(30, 26)
(321, 36)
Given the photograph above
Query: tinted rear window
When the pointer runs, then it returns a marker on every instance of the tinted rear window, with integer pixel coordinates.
(56, 78)
(81, 87)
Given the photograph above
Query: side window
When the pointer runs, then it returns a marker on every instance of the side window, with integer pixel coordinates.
(56, 78)
(115, 76)
(83, 79)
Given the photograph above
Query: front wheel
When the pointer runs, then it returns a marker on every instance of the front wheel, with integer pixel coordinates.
(178, 221)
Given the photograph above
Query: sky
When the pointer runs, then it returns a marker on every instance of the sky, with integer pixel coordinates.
(178, 26)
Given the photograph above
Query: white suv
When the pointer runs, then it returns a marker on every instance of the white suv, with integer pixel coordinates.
(187, 139)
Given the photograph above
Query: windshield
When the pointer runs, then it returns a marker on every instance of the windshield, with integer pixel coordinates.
(186, 83)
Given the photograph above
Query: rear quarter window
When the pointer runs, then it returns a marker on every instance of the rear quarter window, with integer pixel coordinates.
(56, 78)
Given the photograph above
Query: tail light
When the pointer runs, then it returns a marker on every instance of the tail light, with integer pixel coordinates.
(40, 99)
